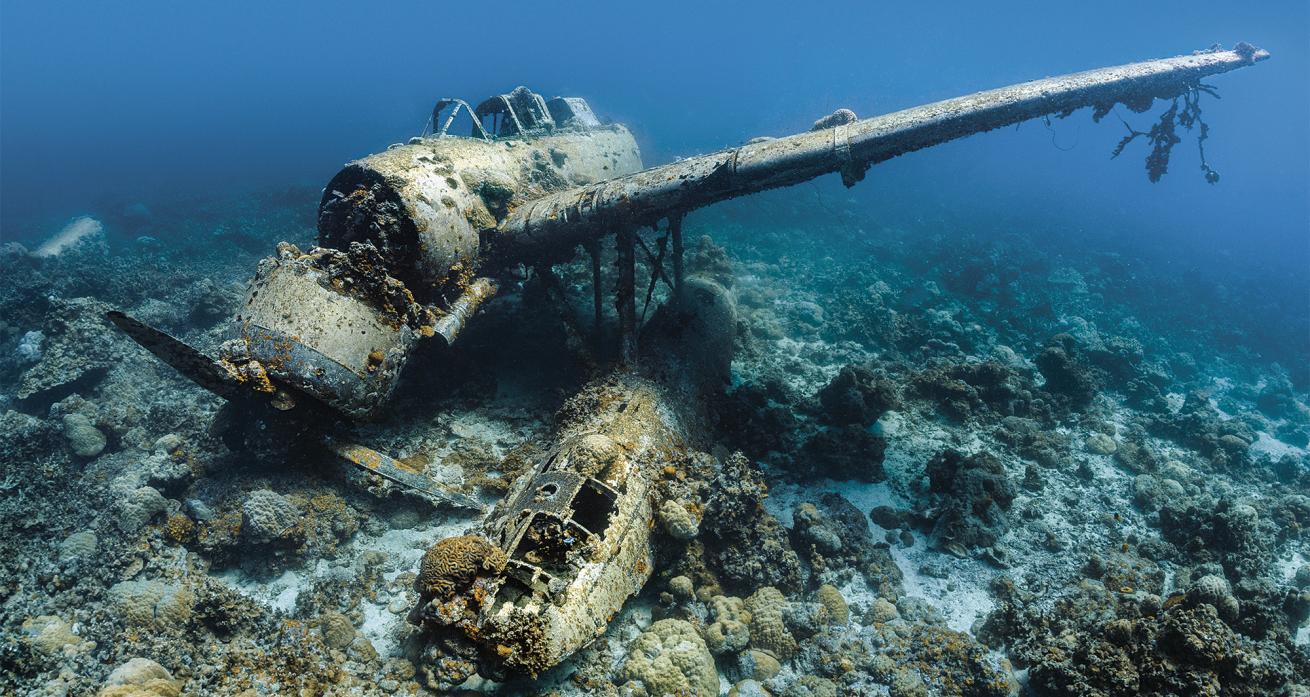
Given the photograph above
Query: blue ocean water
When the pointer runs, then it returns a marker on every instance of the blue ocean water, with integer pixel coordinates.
(109, 105)
(149, 99)
(1002, 388)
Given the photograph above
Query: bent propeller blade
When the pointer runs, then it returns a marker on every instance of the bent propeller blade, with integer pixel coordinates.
(201, 369)
(374, 462)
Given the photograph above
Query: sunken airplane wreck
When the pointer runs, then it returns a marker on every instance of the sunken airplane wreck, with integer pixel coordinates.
(411, 243)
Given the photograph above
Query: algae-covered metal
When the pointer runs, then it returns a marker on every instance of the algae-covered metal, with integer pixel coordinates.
(463, 309)
(574, 535)
(425, 205)
(411, 240)
(538, 178)
(568, 218)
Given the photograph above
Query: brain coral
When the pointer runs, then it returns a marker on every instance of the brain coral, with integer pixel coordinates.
(267, 516)
(453, 563)
(730, 631)
(79, 545)
(836, 611)
(50, 635)
(671, 659)
(677, 521)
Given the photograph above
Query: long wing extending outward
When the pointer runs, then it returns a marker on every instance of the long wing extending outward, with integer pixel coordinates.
(337, 323)
(568, 218)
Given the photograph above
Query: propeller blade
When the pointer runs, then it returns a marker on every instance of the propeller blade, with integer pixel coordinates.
(201, 369)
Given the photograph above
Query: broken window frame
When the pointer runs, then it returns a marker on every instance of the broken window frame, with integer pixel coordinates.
(442, 104)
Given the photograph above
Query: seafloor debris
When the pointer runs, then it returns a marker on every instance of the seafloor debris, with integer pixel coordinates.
(572, 541)
(78, 347)
(1130, 516)
(81, 234)
(145, 550)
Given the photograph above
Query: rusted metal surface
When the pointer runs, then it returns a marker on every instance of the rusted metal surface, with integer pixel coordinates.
(316, 323)
(478, 292)
(565, 219)
(203, 370)
(425, 205)
(576, 530)
(371, 462)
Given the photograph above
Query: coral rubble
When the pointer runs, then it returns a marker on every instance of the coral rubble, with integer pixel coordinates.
(945, 463)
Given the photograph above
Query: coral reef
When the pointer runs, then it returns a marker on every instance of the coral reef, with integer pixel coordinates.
(677, 521)
(857, 396)
(845, 452)
(975, 496)
(267, 517)
(139, 677)
(834, 538)
(77, 348)
(1067, 376)
(1071, 461)
(452, 564)
(670, 658)
(745, 545)
(1103, 641)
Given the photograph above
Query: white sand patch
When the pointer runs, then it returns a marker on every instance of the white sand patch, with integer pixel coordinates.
(1274, 448)
(785, 496)
(1286, 568)
(403, 548)
(499, 435)
(962, 598)
(279, 594)
(380, 628)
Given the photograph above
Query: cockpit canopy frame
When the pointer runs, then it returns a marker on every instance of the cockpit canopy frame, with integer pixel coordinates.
(519, 113)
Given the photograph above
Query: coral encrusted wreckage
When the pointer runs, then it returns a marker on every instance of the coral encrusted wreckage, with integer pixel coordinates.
(798, 455)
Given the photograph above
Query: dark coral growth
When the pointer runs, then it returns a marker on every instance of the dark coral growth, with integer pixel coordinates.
(1096, 640)
(834, 538)
(856, 396)
(934, 660)
(1234, 534)
(1066, 375)
(964, 391)
(452, 564)
(744, 543)
(1188, 651)
(1198, 425)
(758, 419)
(975, 495)
(847, 452)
